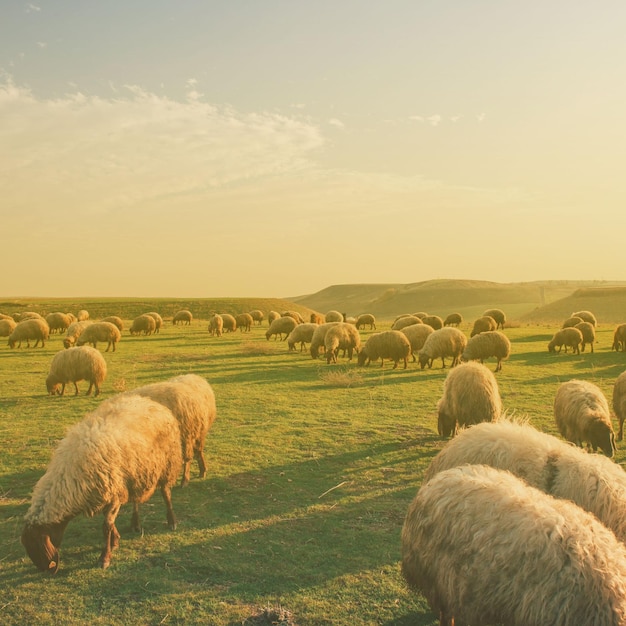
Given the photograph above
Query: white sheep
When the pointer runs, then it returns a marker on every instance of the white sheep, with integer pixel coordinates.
(582, 414)
(587, 316)
(344, 336)
(257, 315)
(484, 547)
(619, 402)
(121, 452)
(572, 321)
(417, 334)
(334, 316)
(492, 343)
(470, 396)
(296, 316)
(568, 337)
(454, 319)
(281, 326)
(229, 323)
(216, 325)
(158, 320)
(588, 331)
(7, 326)
(182, 317)
(389, 344)
(434, 321)
(33, 328)
(58, 322)
(482, 325)
(73, 365)
(366, 319)
(244, 322)
(114, 319)
(498, 315)
(317, 341)
(404, 321)
(442, 343)
(74, 331)
(619, 338)
(100, 331)
(271, 316)
(302, 334)
(143, 324)
(82, 315)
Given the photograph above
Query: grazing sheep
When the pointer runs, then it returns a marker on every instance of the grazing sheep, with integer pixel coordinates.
(587, 316)
(497, 315)
(100, 331)
(72, 317)
(7, 326)
(121, 452)
(33, 328)
(349, 319)
(484, 547)
(4, 316)
(365, 319)
(296, 316)
(434, 321)
(568, 337)
(316, 318)
(483, 325)
(58, 322)
(182, 317)
(271, 316)
(454, 319)
(244, 322)
(191, 400)
(216, 325)
(302, 334)
(281, 326)
(317, 341)
(404, 321)
(257, 316)
(592, 481)
(619, 402)
(389, 344)
(417, 334)
(619, 338)
(344, 336)
(143, 324)
(334, 316)
(74, 331)
(114, 319)
(448, 341)
(420, 314)
(82, 315)
(570, 322)
(158, 320)
(588, 331)
(581, 413)
(28, 315)
(470, 396)
(486, 345)
(70, 366)
(229, 323)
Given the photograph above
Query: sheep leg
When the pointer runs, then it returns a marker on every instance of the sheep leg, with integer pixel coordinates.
(620, 434)
(199, 454)
(186, 473)
(75, 388)
(90, 388)
(134, 520)
(167, 496)
(62, 389)
(111, 536)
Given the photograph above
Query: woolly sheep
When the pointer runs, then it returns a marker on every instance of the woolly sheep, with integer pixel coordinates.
(73, 365)
(229, 323)
(100, 331)
(482, 325)
(448, 341)
(296, 316)
(406, 320)
(619, 402)
(570, 322)
(588, 331)
(58, 322)
(257, 316)
(454, 319)
(349, 319)
(158, 320)
(4, 316)
(434, 321)
(581, 413)
(343, 336)
(182, 317)
(271, 316)
(316, 318)
(470, 396)
(191, 400)
(587, 316)
(33, 328)
(488, 344)
(389, 344)
(143, 324)
(317, 341)
(333, 316)
(82, 315)
(568, 337)
(302, 334)
(7, 326)
(366, 319)
(114, 319)
(483, 547)
(74, 331)
(29, 315)
(281, 326)
(497, 315)
(244, 322)
(619, 338)
(216, 325)
(592, 481)
(417, 334)
(420, 314)
(119, 453)
(72, 317)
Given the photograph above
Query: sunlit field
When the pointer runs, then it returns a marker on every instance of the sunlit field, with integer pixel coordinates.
(311, 470)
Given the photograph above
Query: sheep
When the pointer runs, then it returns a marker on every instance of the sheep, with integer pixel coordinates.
(587, 316)
(58, 322)
(74, 331)
(349, 319)
(483, 547)
(28, 315)
(182, 317)
(581, 413)
(497, 315)
(417, 334)
(191, 400)
(70, 366)
(570, 322)
(619, 338)
(588, 331)
(158, 320)
(434, 321)
(271, 316)
(82, 315)
(119, 453)
(281, 326)
(317, 341)
(420, 314)
(482, 325)
(216, 325)
(257, 316)
(333, 316)
(365, 319)
(592, 481)
(33, 328)
(448, 341)
(454, 319)
(4, 316)
(100, 331)
(229, 323)
(568, 337)
(302, 334)
(7, 326)
(344, 336)
(316, 318)
(244, 322)
(143, 324)
(488, 344)
(389, 344)
(296, 316)
(470, 396)
(619, 402)
(114, 319)
(406, 320)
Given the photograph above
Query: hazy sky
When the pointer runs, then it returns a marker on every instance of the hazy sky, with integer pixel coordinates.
(272, 148)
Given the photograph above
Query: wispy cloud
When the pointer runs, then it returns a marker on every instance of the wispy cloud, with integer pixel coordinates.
(481, 118)
(42, 44)
(336, 122)
(31, 8)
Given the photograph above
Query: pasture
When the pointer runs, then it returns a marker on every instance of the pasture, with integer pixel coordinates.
(311, 470)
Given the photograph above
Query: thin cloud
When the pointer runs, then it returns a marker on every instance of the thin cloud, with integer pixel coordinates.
(481, 118)
(434, 120)
(31, 8)
(336, 122)
(42, 44)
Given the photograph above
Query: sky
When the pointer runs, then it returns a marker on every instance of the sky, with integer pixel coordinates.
(273, 148)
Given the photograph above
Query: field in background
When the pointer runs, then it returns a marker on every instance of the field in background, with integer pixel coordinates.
(311, 470)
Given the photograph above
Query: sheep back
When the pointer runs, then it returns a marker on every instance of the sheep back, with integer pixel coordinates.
(483, 324)
(572, 321)
(281, 326)
(229, 323)
(302, 334)
(244, 322)
(100, 331)
(343, 336)
(182, 317)
(434, 321)
(619, 402)
(158, 320)
(74, 331)
(389, 344)
(317, 341)
(114, 319)
(568, 337)
(588, 331)
(417, 334)
(7, 326)
(454, 319)
(143, 324)
(498, 315)
(406, 320)
(333, 316)
(257, 315)
(492, 343)
(216, 325)
(58, 322)
(442, 343)
(586, 316)
(73, 365)
(34, 328)
(366, 319)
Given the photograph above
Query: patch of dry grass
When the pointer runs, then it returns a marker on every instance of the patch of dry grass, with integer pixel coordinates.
(341, 377)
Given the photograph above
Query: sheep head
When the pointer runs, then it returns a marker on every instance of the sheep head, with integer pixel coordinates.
(41, 543)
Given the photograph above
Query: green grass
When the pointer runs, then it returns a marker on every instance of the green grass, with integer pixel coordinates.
(311, 470)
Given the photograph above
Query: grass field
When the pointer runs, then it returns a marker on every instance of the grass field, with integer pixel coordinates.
(311, 470)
